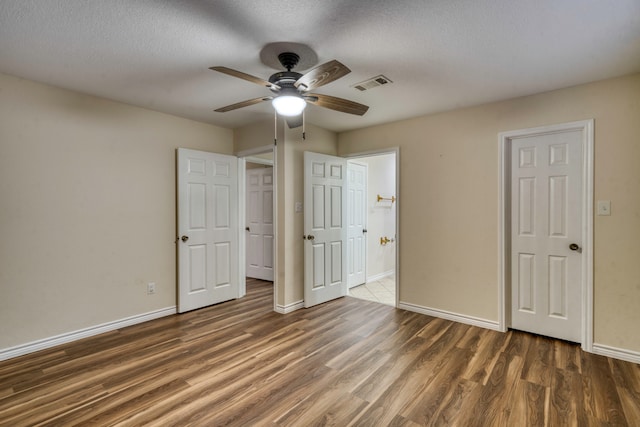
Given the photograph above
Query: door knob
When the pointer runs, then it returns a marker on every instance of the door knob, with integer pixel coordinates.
(364, 230)
(184, 238)
(247, 229)
(311, 237)
(575, 247)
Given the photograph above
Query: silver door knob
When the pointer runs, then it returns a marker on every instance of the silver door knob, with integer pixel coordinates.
(184, 238)
(575, 247)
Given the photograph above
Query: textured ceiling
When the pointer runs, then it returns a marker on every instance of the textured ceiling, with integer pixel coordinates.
(440, 54)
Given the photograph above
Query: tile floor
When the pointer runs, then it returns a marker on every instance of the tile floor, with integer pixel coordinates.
(382, 291)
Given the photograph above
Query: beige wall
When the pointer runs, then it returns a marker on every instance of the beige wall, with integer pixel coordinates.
(449, 200)
(87, 211)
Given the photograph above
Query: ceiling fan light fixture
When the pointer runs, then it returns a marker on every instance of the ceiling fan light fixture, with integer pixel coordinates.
(289, 105)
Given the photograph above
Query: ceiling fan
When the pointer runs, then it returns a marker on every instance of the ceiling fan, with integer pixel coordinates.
(291, 89)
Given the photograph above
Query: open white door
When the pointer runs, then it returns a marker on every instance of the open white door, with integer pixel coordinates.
(208, 271)
(356, 223)
(325, 233)
(259, 223)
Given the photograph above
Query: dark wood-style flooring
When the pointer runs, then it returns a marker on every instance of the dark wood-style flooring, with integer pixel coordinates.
(346, 362)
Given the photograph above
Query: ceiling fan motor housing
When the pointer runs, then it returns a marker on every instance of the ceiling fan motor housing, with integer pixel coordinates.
(285, 80)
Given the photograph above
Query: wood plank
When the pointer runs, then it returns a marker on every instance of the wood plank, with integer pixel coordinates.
(527, 405)
(601, 398)
(539, 361)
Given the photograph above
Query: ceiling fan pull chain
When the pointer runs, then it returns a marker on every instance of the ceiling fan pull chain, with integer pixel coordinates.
(275, 127)
(304, 135)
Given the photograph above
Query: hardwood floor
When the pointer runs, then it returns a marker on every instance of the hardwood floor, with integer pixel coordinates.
(346, 362)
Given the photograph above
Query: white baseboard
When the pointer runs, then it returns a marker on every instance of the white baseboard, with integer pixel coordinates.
(42, 344)
(455, 317)
(380, 276)
(616, 353)
(284, 309)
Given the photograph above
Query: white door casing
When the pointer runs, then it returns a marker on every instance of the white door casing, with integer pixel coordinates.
(325, 233)
(208, 232)
(356, 223)
(259, 223)
(546, 197)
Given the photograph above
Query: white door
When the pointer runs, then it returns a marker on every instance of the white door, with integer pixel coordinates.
(356, 223)
(259, 223)
(325, 233)
(546, 223)
(208, 271)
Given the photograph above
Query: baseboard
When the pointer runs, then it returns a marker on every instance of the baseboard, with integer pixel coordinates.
(616, 353)
(380, 276)
(455, 317)
(284, 309)
(45, 343)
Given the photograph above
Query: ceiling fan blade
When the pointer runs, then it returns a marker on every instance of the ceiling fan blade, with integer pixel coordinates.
(294, 121)
(321, 75)
(245, 76)
(338, 104)
(243, 104)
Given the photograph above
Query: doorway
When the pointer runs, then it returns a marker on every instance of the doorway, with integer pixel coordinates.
(372, 259)
(257, 172)
(259, 219)
(546, 228)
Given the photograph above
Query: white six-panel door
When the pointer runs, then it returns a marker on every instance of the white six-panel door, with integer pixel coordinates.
(546, 220)
(208, 232)
(356, 223)
(259, 223)
(325, 232)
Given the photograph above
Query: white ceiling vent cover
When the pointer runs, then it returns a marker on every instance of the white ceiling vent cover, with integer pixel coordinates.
(372, 82)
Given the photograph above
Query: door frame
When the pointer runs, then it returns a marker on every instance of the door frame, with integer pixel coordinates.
(379, 152)
(244, 156)
(267, 169)
(504, 222)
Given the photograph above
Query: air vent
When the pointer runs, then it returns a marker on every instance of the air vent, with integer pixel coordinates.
(372, 82)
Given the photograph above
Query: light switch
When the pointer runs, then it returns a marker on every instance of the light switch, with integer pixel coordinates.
(604, 207)
(298, 207)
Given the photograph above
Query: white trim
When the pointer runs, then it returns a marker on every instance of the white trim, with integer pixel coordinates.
(276, 227)
(284, 309)
(616, 353)
(259, 160)
(242, 239)
(380, 276)
(68, 337)
(256, 150)
(586, 126)
(448, 315)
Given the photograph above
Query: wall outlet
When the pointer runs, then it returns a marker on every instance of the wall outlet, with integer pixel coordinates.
(151, 288)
